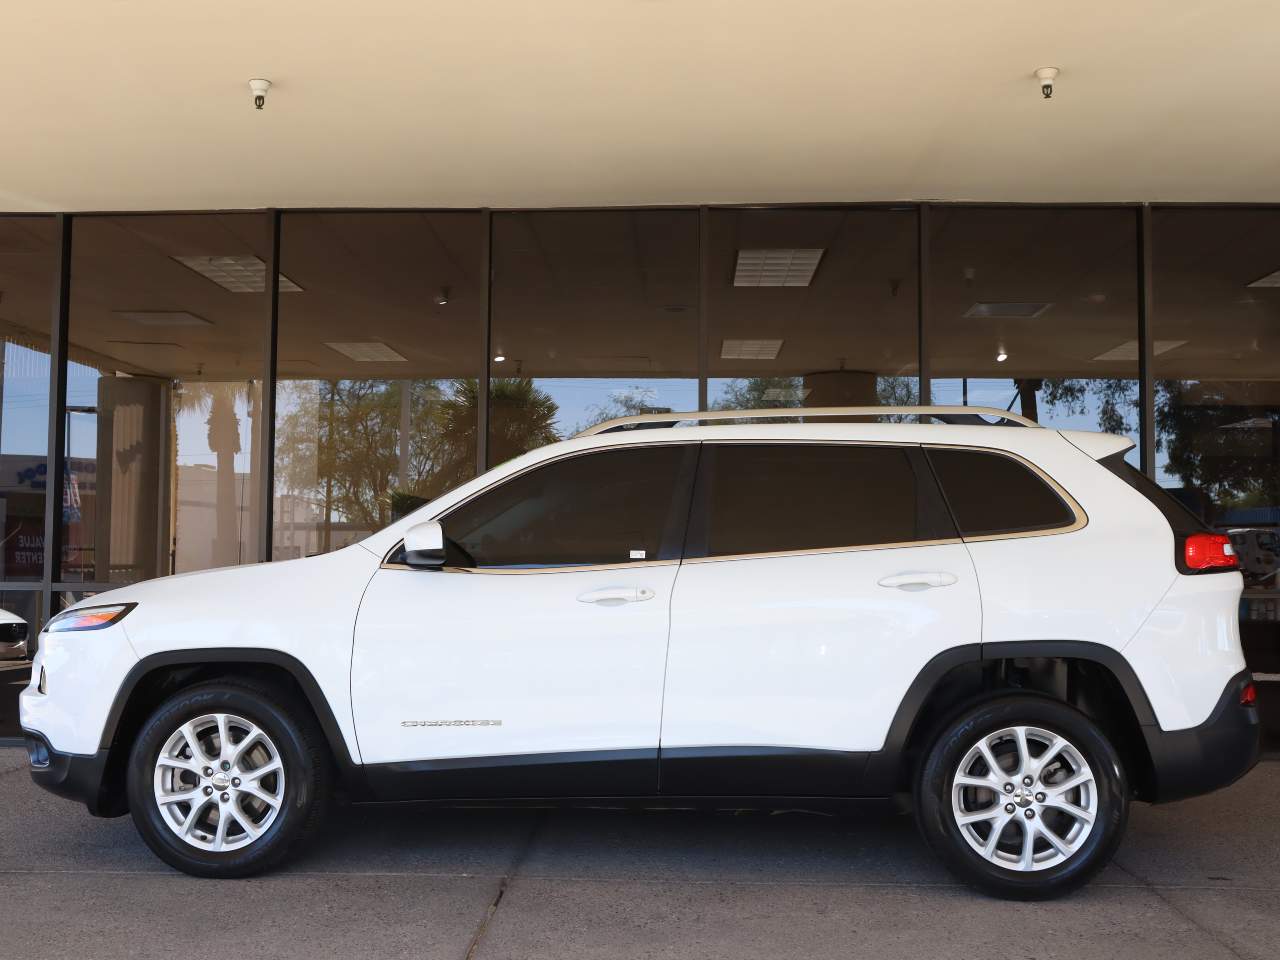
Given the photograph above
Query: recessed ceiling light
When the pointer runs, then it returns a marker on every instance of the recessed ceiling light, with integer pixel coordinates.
(1006, 310)
(750, 349)
(499, 358)
(239, 273)
(1270, 280)
(1001, 357)
(1129, 349)
(368, 351)
(781, 267)
(163, 318)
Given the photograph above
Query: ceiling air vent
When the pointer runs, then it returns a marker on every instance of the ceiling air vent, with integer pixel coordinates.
(239, 273)
(367, 351)
(750, 349)
(781, 267)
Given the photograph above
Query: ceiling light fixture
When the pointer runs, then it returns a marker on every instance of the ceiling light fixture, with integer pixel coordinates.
(1001, 357)
(780, 267)
(499, 358)
(239, 273)
(1007, 310)
(442, 297)
(750, 349)
(368, 351)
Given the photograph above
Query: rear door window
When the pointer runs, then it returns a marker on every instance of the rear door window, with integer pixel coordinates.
(781, 497)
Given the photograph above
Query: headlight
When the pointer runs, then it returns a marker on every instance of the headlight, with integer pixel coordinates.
(88, 618)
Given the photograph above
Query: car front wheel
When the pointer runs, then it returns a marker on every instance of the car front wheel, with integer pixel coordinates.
(226, 778)
(1024, 797)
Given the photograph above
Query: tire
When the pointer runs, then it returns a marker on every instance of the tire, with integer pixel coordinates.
(1086, 821)
(245, 821)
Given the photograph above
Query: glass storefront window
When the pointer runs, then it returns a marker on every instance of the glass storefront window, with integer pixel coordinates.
(1036, 311)
(28, 265)
(379, 362)
(164, 381)
(1216, 328)
(812, 308)
(595, 315)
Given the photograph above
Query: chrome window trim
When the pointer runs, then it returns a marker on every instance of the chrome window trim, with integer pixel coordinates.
(823, 551)
(1081, 518)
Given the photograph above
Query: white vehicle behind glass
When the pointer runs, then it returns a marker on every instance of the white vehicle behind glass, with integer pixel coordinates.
(1008, 624)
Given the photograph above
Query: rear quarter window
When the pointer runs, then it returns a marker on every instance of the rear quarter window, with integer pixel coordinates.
(991, 494)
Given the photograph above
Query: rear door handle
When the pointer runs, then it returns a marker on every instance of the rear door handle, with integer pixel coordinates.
(616, 596)
(919, 580)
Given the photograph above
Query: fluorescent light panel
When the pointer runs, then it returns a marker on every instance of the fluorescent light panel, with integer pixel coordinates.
(1129, 349)
(779, 267)
(1006, 310)
(239, 273)
(367, 351)
(750, 349)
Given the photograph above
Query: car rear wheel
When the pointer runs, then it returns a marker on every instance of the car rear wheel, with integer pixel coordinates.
(1024, 797)
(226, 778)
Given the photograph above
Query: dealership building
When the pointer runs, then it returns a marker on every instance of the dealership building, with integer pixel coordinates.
(234, 335)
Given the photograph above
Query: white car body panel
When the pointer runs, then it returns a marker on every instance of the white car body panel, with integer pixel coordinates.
(1096, 584)
(560, 674)
(1189, 648)
(303, 608)
(808, 651)
(84, 671)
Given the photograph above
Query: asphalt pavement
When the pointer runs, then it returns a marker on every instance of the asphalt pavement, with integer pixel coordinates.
(1197, 879)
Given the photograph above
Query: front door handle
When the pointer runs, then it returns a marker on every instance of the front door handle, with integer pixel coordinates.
(919, 581)
(616, 596)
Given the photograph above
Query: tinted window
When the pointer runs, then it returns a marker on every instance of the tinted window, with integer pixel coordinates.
(762, 498)
(990, 493)
(612, 507)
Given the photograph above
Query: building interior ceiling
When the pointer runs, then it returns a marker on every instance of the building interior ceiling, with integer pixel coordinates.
(397, 103)
(616, 293)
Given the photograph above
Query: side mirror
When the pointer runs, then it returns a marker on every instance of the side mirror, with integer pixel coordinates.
(424, 546)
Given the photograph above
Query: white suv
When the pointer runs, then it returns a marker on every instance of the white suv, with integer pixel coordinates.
(1007, 623)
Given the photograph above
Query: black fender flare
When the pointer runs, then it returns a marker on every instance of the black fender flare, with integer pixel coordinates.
(884, 766)
(199, 657)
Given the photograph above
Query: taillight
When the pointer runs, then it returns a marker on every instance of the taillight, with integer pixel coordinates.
(1248, 695)
(1207, 551)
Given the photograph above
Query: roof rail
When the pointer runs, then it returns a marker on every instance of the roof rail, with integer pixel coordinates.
(954, 415)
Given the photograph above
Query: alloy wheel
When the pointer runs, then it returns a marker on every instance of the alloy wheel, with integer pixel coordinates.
(219, 782)
(1024, 798)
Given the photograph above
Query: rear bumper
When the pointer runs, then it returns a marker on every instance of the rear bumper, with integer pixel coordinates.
(1218, 752)
(71, 775)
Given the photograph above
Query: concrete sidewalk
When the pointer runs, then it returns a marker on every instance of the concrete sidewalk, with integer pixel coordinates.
(1197, 879)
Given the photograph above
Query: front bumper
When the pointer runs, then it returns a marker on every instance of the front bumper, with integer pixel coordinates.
(71, 775)
(1218, 752)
